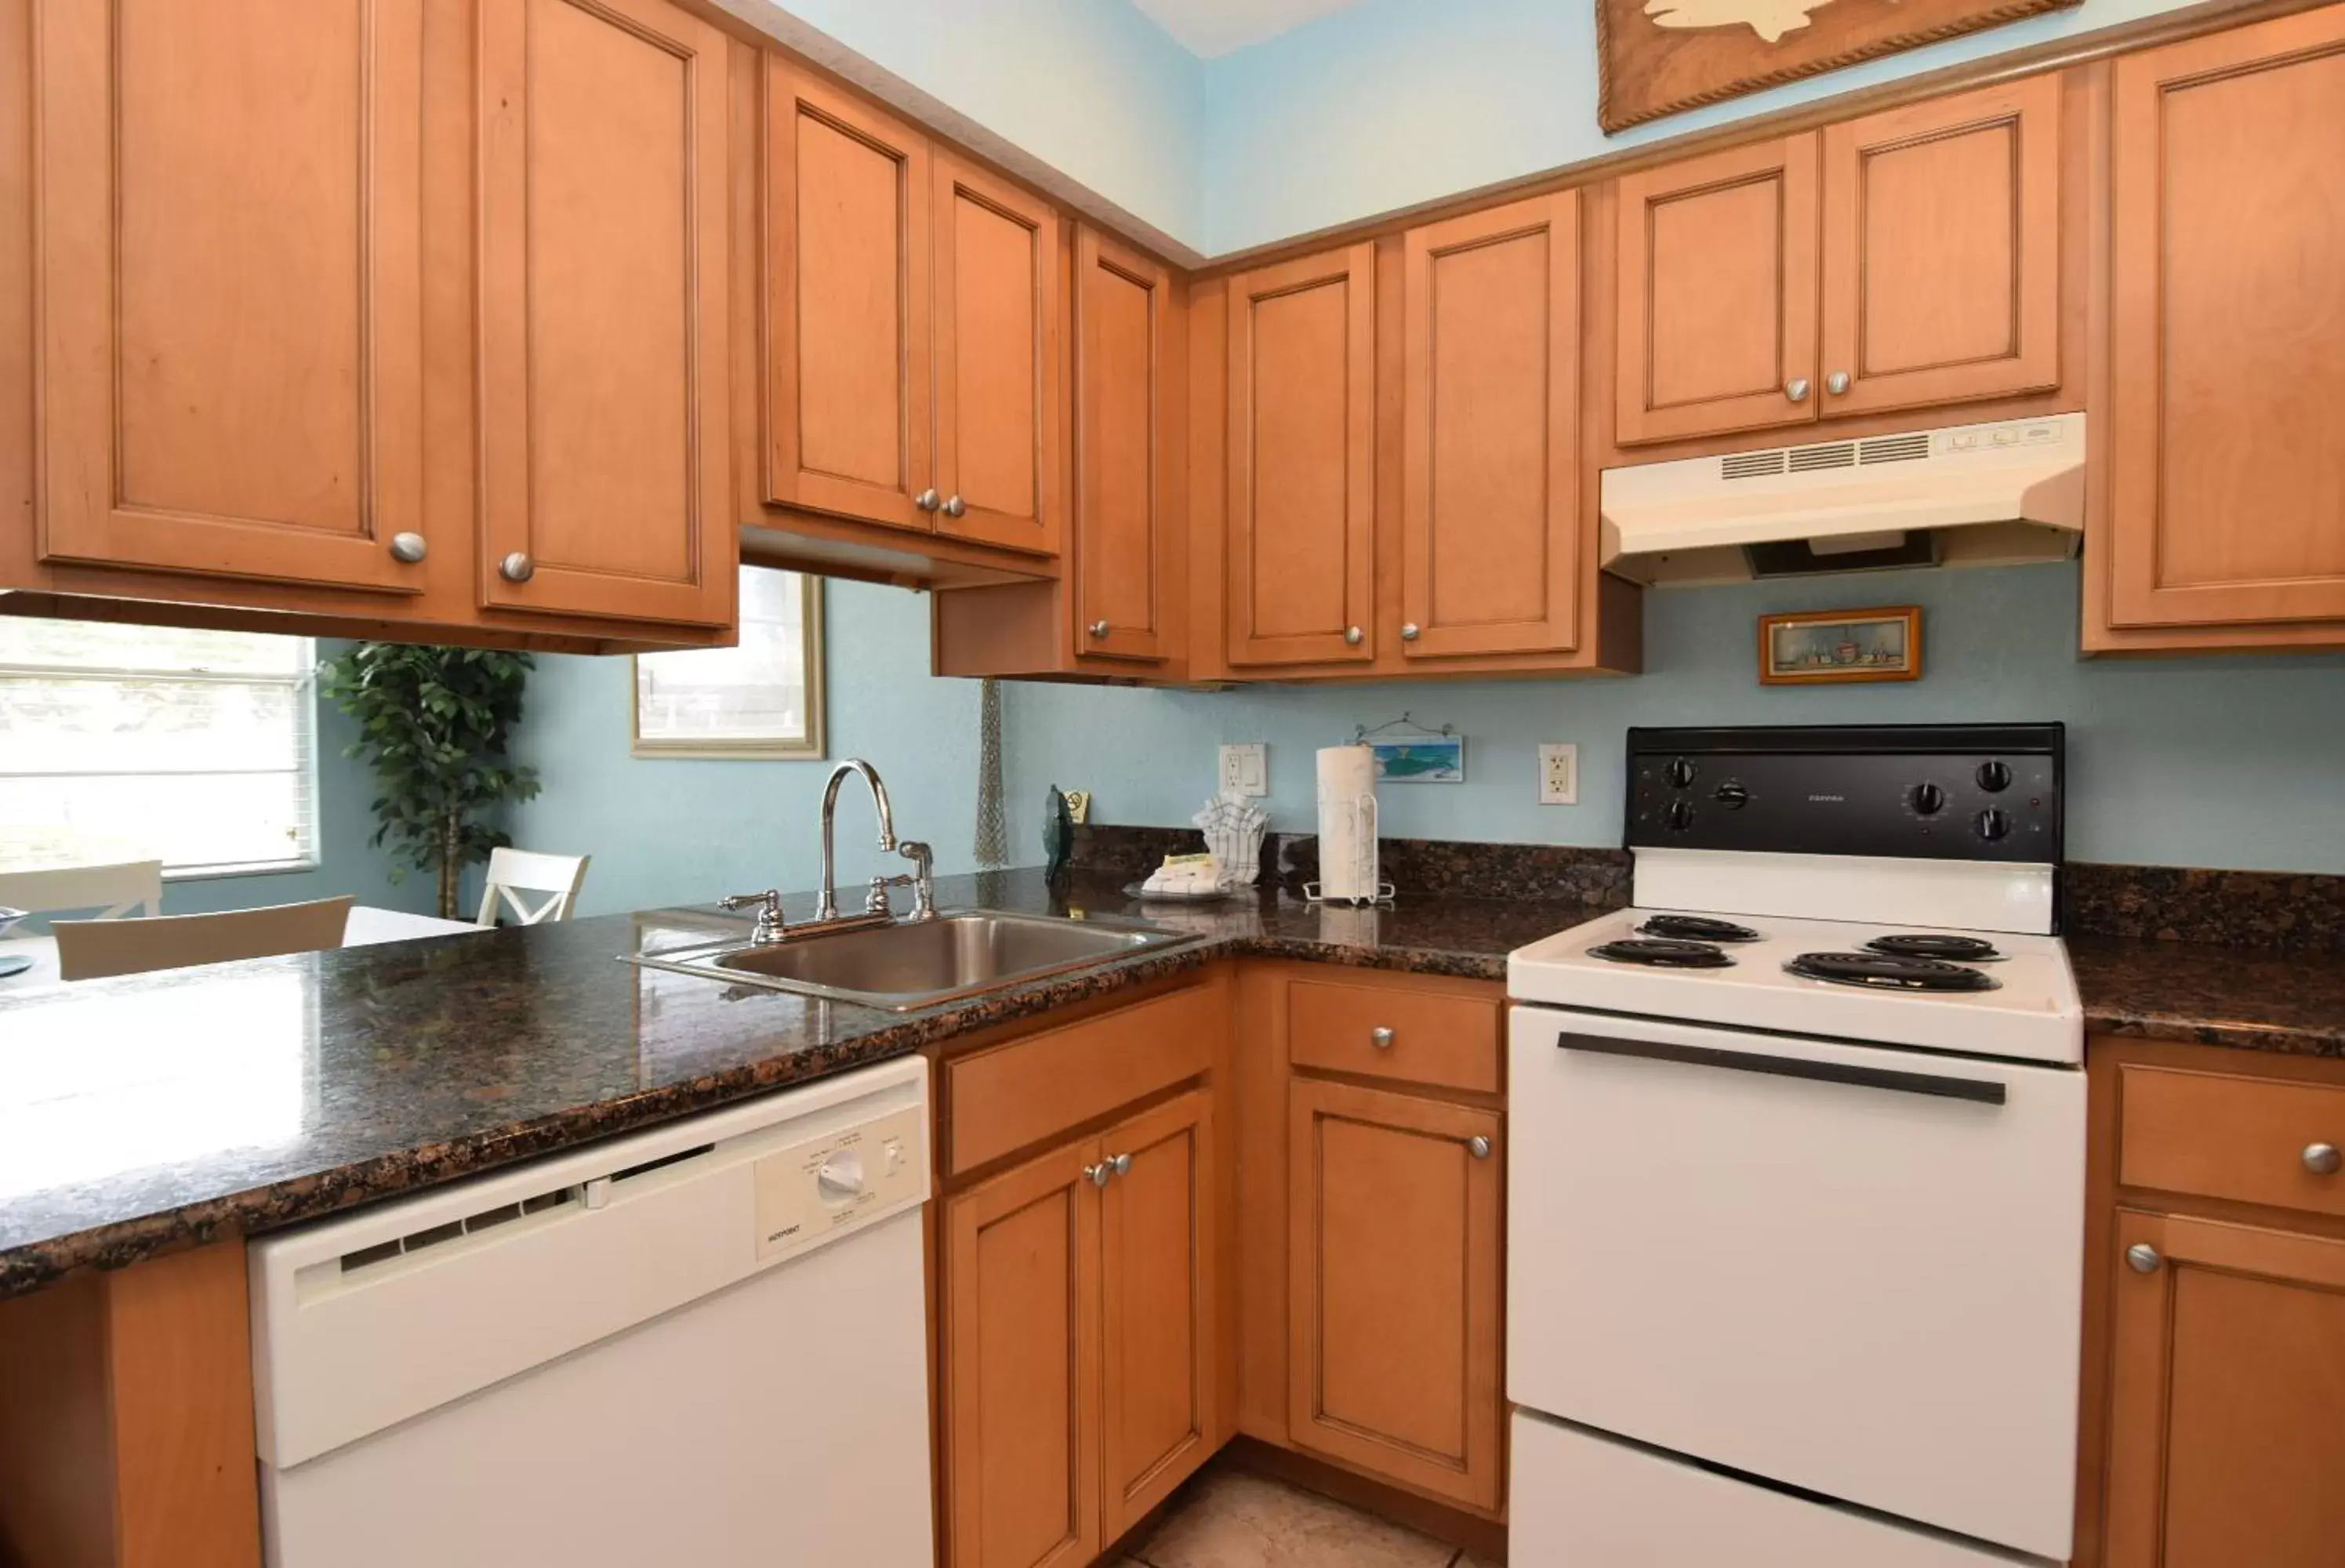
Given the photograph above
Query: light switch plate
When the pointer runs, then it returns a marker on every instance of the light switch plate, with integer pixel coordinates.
(1245, 768)
(1558, 775)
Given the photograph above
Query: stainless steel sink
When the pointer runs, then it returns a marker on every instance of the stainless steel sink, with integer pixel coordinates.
(919, 964)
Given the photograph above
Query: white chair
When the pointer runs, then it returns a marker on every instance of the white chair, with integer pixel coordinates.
(515, 871)
(114, 890)
(93, 950)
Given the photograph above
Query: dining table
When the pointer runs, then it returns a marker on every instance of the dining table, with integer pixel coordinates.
(366, 926)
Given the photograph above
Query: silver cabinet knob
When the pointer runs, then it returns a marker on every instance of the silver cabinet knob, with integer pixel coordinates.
(1098, 628)
(926, 501)
(1122, 1164)
(1410, 632)
(1354, 636)
(2322, 1159)
(1478, 1146)
(1836, 383)
(517, 567)
(1381, 1038)
(2142, 1258)
(1796, 388)
(1097, 1175)
(407, 547)
(955, 506)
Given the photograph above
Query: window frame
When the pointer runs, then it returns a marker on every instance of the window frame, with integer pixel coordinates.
(813, 746)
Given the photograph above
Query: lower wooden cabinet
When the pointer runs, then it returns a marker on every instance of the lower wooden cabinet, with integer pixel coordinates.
(2228, 1371)
(1079, 1340)
(1394, 1279)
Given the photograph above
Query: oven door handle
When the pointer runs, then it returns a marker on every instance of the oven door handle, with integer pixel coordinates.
(1984, 1091)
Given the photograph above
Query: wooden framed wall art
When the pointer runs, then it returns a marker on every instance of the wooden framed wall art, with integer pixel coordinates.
(1826, 647)
(1657, 57)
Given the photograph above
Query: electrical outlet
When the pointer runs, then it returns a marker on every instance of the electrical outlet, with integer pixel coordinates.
(1558, 775)
(1246, 769)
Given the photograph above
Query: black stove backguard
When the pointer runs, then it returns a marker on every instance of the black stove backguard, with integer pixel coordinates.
(1919, 792)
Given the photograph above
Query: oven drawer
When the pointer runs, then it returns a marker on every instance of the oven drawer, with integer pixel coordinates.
(1407, 1031)
(2218, 1135)
(1848, 1268)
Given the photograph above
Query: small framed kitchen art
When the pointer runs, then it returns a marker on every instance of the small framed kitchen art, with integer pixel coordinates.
(1826, 647)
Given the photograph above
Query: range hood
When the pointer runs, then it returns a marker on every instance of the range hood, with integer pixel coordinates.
(1968, 495)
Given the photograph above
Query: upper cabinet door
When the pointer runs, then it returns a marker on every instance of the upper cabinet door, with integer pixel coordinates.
(1122, 473)
(1490, 492)
(1301, 460)
(847, 425)
(2228, 329)
(230, 272)
(1717, 293)
(1000, 333)
(1942, 251)
(603, 402)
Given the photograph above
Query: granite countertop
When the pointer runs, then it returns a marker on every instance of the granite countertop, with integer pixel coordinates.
(157, 1111)
(154, 1111)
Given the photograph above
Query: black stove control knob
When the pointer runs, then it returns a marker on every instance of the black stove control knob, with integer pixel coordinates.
(1680, 773)
(1680, 815)
(1927, 799)
(1993, 823)
(1734, 795)
(1995, 777)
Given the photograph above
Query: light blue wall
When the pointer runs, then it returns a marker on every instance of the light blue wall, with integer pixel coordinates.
(2232, 762)
(1092, 87)
(1389, 102)
(679, 831)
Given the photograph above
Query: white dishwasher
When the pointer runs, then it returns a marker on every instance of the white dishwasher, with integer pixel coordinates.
(705, 1344)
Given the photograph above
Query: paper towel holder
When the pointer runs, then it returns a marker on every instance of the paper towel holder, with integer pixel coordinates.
(1364, 836)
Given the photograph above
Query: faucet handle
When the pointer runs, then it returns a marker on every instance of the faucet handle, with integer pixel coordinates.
(876, 901)
(924, 887)
(770, 926)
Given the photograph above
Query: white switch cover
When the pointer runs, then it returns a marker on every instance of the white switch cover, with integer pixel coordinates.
(1246, 769)
(1559, 776)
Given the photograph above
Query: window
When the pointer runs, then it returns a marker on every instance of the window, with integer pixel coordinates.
(129, 743)
(762, 698)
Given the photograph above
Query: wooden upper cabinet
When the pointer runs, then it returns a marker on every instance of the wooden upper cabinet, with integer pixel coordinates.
(1022, 1349)
(1395, 1279)
(1717, 293)
(2228, 1371)
(230, 272)
(1490, 494)
(847, 421)
(605, 439)
(1001, 338)
(1160, 1263)
(1301, 460)
(2227, 503)
(1123, 475)
(1942, 251)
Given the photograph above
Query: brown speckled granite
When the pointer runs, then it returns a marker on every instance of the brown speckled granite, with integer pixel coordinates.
(2298, 912)
(2289, 1003)
(158, 1111)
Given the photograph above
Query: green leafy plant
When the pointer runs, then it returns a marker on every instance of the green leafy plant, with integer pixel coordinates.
(434, 723)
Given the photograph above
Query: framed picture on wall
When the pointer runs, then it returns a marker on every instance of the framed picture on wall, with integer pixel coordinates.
(1829, 646)
(762, 698)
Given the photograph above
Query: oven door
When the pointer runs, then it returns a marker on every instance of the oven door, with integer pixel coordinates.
(1841, 1268)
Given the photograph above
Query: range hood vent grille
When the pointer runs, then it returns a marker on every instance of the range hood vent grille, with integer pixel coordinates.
(1903, 449)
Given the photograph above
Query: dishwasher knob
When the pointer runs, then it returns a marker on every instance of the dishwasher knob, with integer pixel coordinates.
(840, 1178)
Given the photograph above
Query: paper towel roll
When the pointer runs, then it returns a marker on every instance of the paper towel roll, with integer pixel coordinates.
(1347, 823)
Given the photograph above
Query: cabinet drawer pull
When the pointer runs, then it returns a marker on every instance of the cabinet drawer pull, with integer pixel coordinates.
(1099, 629)
(1478, 1146)
(955, 506)
(1836, 383)
(517, 567)
(1796, 388)
(407, 547)
(2322, 1159)
(1097, 1175)
(1353, 636)
(1410, 632)
(1381, 1038)
(926, 501)
(2142, 1258)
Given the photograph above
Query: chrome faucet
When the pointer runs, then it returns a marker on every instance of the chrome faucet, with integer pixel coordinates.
(770, 929)
(827, 904)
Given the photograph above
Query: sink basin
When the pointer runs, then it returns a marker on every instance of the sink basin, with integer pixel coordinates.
(919, 964)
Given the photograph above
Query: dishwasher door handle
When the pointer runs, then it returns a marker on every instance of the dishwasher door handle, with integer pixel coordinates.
(1982, 1091)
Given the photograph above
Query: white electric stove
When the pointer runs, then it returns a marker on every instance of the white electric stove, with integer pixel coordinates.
(1796, 1172)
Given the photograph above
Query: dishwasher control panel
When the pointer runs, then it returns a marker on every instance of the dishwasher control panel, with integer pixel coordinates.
(826, 1184)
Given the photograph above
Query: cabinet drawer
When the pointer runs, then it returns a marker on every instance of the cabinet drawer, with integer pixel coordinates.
(1010, 1095)
(2253, 1140)
(1394, 1032)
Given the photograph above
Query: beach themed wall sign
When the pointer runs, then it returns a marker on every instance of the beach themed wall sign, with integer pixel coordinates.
(1408, 753)
(1657, 57)
(1830, 646)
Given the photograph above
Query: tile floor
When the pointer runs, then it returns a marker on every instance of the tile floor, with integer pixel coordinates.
(1228, 1518)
